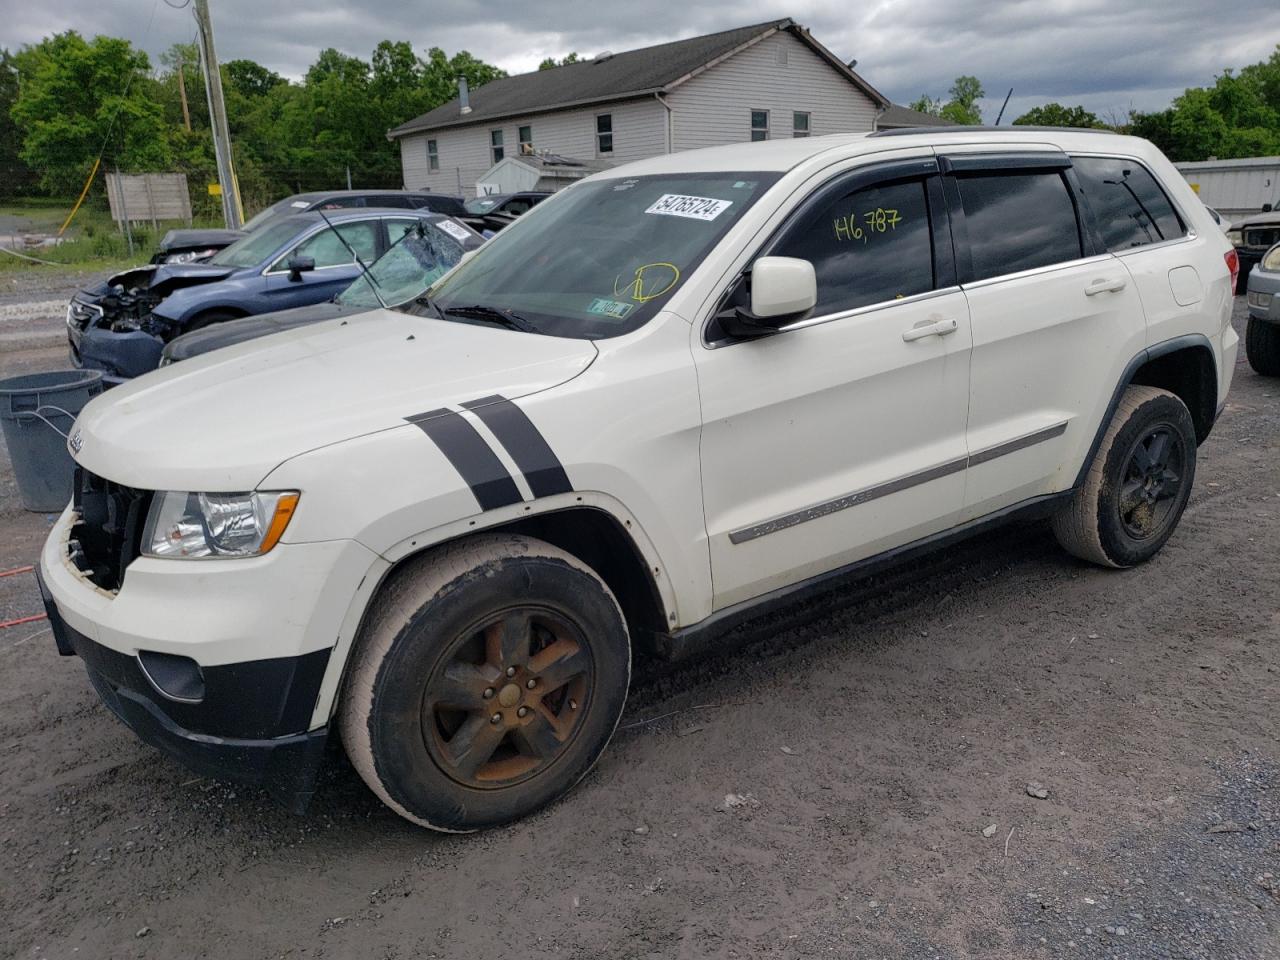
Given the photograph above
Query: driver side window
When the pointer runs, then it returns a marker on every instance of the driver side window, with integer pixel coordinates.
(869, 246)
(329, 251)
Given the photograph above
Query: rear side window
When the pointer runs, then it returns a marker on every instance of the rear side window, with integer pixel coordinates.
(870, 246)
(1018, 221)
(1130, 208)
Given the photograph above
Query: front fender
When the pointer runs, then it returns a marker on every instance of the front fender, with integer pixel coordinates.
(181, 306)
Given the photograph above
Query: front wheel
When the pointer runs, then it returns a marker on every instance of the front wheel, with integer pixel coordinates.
(1137, 485)
(487, 682)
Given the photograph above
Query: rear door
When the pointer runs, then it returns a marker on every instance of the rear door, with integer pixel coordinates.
(1055, 320)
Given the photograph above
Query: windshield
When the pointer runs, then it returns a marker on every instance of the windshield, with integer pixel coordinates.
(480, 204)
(252, 250)
(408, 268)
(277, 209)
(602, 257)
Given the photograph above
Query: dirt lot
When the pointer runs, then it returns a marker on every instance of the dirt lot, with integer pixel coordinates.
(872, 740)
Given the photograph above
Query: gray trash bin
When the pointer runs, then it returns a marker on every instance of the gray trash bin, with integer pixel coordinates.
(36, 412)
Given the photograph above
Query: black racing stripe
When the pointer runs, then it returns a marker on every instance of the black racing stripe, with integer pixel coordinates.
(471, 457)
(528, 448)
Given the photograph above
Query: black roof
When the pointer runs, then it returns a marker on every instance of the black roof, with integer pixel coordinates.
(621, 76)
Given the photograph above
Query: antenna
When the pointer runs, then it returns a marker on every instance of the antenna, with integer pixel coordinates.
(1002, 106)
(373, 284)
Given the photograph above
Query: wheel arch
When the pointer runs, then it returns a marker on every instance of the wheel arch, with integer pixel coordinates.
(1185, 366)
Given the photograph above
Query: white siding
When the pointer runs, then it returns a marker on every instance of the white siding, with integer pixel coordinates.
(1235, 188)
(639, 131)
(715, 107)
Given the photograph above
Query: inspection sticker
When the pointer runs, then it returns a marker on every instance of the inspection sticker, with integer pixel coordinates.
(694, 208)
(609, 308)
(453, 230)
(300, 204)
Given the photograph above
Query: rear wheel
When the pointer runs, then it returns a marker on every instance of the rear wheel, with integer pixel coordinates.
(486, 683)
(1262, 346)
(1138, 484)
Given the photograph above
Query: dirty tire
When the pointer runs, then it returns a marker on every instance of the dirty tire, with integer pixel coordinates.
(428, 628)
(1092, 526)
(1262, 346)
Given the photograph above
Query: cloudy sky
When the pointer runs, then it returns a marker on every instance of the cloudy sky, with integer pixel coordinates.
(1107, 55)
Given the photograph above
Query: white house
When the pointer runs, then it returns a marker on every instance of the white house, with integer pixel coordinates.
(751, 83)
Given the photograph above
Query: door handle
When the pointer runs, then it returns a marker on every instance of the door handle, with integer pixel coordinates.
(1112, 285)
(933, 328)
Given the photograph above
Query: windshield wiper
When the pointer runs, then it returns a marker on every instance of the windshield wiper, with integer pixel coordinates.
(479, 311)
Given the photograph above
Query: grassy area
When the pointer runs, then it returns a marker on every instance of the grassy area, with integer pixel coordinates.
(93, 240)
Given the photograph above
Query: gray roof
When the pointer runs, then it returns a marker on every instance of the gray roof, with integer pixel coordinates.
(623, 76)
(896, 115)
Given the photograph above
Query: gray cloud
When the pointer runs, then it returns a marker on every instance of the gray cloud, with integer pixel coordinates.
(1104, 55)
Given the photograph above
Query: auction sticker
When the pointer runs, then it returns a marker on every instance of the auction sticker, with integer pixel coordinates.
(453, 230)
(609, 308)
(694, 208)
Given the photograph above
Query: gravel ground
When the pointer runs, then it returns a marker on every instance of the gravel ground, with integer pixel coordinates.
(874, 739)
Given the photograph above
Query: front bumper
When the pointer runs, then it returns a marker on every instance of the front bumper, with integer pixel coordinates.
(257, 632)
(1264, 295)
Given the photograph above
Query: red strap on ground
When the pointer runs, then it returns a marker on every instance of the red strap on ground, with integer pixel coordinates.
(15, 571)
(22, 620)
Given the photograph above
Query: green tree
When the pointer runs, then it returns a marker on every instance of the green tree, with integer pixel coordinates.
(1056, 115)
(76, 98)
(962, 108)
(250, 79)
(15, 177)
(550, 62)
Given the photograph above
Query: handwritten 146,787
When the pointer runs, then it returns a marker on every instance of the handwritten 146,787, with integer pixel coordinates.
(879, 220)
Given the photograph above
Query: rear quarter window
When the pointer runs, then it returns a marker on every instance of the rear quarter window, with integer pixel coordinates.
(1128, 205)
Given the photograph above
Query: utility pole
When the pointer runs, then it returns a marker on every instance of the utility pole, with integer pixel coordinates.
(218, 117)
(182, 92)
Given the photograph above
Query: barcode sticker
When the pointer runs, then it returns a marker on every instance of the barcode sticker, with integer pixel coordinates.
(694, 208)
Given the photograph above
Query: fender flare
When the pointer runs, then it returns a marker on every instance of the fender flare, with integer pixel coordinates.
(1143, 357)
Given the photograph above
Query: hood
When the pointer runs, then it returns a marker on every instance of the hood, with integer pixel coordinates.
(166, 277)
(230, 332)
(182, 239)
(223, 421)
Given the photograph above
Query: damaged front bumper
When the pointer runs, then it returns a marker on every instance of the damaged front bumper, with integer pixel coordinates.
(120, 355)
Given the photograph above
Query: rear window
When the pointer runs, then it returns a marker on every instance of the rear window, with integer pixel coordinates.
(1126, 202)
(449, 206)
(1018, 221)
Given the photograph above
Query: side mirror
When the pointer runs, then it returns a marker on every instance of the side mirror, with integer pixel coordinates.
(300, 265)
(783, 290)
(1266, 208)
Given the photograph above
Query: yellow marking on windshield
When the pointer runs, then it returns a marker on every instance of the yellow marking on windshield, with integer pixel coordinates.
(650, 282)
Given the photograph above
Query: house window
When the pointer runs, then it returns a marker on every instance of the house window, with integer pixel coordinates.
(604, 133)
(526, 141)
(759, 124)
(800, 124)
(433, 156)
(495, 143)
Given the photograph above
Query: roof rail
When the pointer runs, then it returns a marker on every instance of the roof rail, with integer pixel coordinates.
(976, 128)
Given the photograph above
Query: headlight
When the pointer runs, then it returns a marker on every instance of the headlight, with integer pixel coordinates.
(1235, 237)
(1272, 260)
(189, 255)
(194, 526)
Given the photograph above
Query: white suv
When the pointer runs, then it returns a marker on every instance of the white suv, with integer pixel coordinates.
(666, 398)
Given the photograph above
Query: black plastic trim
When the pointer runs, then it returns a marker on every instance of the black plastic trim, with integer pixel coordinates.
(1197, 340)
(475, 462)
(1005, 160)
(527, 446)
(695, 639)
(251, 727)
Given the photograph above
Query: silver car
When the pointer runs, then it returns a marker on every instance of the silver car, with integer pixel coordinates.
(1262, 343)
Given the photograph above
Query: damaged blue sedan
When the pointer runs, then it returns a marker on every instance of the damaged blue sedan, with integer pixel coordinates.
(121, 326)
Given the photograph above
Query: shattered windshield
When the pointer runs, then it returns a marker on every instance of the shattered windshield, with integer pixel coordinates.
(424, 255)
(601, 257)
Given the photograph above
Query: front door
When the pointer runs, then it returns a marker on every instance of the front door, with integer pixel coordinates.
(843, 435)
(335, 267)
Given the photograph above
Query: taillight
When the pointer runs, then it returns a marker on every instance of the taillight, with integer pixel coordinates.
(1233, 264)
